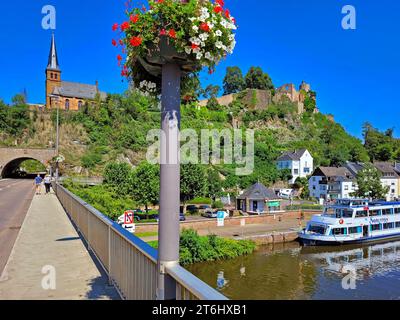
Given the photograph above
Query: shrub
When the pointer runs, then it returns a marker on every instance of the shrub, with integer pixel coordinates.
(195, 248)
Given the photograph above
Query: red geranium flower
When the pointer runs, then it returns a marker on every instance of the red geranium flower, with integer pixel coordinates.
(125, 26)
(205, 27)
(115, 26)
(218, 9)
(163, 32)
(114, 43)
(136, 41)
(172, 33)
(220, 2)
(134, 18)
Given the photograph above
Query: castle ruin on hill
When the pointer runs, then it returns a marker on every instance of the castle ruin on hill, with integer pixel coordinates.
(261, 99)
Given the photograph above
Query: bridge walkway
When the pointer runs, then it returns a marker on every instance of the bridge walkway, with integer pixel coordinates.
(49, 245)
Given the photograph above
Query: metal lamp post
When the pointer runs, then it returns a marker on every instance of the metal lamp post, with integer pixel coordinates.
(169, 224)
(56, 98)
(169, 231)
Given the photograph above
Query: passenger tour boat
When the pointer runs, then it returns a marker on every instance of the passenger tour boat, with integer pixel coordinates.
(351, 221)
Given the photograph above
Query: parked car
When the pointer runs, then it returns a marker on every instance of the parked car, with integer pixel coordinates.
(204, 208)
(192, 209)
(182, 217)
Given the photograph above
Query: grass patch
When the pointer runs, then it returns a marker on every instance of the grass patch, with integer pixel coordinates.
(146, 234)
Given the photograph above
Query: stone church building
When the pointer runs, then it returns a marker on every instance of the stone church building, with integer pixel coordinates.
(63, 94)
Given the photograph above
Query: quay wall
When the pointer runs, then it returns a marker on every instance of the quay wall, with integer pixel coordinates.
(230, 222)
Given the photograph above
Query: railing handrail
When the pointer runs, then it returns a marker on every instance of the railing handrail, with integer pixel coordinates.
(196, 286)
(183, 278)
(142, 246)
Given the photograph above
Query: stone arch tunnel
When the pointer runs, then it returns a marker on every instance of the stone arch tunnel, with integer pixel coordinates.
(11, 158)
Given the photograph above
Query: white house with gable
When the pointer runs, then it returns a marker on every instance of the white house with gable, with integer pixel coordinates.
(299, 162)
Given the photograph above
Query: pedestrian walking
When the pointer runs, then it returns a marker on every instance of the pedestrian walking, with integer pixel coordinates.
(47, 183)
(38, 184)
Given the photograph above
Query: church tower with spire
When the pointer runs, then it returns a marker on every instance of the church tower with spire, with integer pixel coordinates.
(53, 72)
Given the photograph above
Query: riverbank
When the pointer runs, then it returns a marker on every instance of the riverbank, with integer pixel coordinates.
(281, 228)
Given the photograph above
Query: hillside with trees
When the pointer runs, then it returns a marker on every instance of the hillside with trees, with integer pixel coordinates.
(115, 131)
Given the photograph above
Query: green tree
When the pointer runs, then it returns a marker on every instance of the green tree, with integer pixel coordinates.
(193, 182)
(381, 146)
(234, 81)
(146, 184)
(211, 91)
(369, 183)
(214, 184)
(257, 79)
(302, 184)
(117, 175)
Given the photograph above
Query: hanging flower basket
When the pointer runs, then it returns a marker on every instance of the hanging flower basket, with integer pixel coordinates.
(193, 34)
(165, 52)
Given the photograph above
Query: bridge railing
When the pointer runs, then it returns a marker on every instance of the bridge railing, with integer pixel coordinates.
(131, 264)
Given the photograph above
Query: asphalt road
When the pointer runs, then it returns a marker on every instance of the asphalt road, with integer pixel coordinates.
(15, 199)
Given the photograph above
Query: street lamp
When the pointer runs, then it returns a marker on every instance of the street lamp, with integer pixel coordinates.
(57, 101)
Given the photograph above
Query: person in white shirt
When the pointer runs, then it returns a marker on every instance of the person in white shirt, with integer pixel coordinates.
(47, 184)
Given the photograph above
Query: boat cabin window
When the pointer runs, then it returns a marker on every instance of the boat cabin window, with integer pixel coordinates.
(317, 229)
(362, 214)
(354, 230)
(343, 213)
(347, 213)
(386, 212)
(329, 211)
(396, 210)
(398, 224)
(374, 213)
(387, 226)
(339, 231)
(375, 227)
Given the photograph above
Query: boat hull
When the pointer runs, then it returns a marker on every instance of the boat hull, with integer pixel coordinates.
(319, 241)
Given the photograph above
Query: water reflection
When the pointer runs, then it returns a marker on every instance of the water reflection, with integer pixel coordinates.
(289, 271)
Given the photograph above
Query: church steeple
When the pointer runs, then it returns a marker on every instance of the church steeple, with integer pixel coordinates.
(53, 73)
(53, 58)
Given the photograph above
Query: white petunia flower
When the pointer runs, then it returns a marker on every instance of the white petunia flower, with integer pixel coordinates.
(195, 28)
(203, 36)
(199, 56)
(208, 56)
(219, 44)
(218, 33)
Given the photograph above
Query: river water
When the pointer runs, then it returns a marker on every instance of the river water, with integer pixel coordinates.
(290, 271)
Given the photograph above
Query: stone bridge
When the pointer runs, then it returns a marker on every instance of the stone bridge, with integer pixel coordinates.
(11, 158)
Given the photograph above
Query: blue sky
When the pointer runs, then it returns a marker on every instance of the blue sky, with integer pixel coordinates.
(355, 72)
